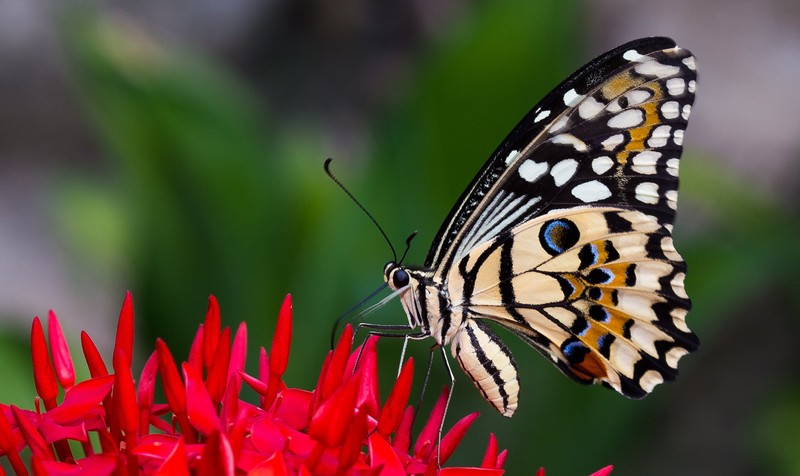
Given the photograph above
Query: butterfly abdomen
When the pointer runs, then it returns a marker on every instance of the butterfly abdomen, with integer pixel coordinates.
(489, 364)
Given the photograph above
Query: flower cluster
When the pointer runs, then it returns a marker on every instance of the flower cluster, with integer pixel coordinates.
(204, 427)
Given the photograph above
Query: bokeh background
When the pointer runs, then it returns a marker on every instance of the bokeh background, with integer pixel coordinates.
(175, 149)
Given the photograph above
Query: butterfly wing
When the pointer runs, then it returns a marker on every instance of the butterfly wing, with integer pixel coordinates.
(610, 134)
(598, 290)
(564, 236)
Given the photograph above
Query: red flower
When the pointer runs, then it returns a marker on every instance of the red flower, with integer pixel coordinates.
(204, 428)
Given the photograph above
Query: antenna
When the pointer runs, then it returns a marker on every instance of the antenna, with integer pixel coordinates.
(408, 245)
(337, 182)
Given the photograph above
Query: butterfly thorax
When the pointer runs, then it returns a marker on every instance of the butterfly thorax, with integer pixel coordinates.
(424, 299)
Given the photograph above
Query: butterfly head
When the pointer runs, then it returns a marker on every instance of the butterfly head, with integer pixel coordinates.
(396, 276)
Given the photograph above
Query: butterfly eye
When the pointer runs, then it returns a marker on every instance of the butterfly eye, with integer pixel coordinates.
(400, 278)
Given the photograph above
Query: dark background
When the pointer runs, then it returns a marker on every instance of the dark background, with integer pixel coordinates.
(175, 149)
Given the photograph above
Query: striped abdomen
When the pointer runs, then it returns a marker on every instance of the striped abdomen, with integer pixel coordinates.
(487, 361)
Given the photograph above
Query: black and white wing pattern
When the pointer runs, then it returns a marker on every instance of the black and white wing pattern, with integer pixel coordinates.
(564, 236)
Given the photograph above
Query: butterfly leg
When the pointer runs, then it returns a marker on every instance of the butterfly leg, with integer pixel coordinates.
(446, 405)
(386, 330)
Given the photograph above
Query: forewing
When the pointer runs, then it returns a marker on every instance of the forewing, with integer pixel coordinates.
(599, 290)
(611, 134)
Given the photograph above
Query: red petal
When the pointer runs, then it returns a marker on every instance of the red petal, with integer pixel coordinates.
(294, 407)
(238, 351)
(330, 422)
(176, 463)
(470, 472)
(501, 460)
(97, 368)
(396, 403)
(282, 340)
(254, 383)
(368, 395)
(230, 401)
(263, 364)
(147, 388)
(101, 465)
(273, 466)
(490, 457)
(54, 432)
(43, 374)
(62, 360)
(217, 457)
(9, 441)
(266, 437)
(156, 446)
(81, 399)
(11, 445)
(279, 352)
(174, 389)
(351, 448)
(124, 340)
(217, 376)
(39, 447)
(211, 331)
(196, 351)
(430, 432)
(381, 454)
(402, 439)
(453, 437)
(200, 408)
(540, 472)
(319, 396)
(603, 472)
(125, 395)
(338, 362)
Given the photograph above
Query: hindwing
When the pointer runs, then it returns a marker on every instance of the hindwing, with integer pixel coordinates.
(598, 290)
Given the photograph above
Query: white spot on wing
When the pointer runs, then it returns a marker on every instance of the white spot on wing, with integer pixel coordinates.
(687, 109)
(645, 162)
(572, 97)
(689, 62)
(569, 139)
(627, 119)
(676, 86)
(632, 55)
(677, 136)
(601, 165)
(637, 96)
(674, 355)
(659, 136)
(563, 171)
(531, 171)
(672, 199)
(589, 108)
(649, 380)
(541, 115)
(511, 156)
(672, 167)
(593, 191)
(692, 86)
(677, 285)
(612, 142)
(654, 68)
(647, 192)
(670, 109)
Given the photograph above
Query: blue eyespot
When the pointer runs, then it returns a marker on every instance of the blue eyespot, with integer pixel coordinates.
(559, 235)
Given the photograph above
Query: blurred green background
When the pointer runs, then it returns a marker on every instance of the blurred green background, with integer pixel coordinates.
(177, 152)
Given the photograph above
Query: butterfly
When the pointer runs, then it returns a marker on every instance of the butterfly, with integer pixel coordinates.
(564, 237)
